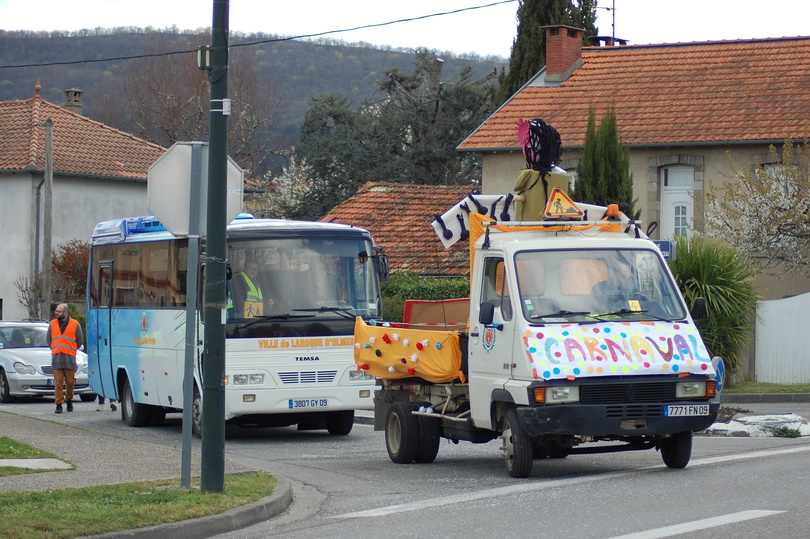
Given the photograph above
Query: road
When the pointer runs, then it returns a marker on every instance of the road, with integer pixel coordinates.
(347, 486)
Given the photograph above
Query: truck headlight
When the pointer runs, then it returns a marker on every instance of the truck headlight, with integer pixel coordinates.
(690, 390)
(555, 394)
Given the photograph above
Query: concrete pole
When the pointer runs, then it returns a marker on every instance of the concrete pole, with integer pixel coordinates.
(45, 307)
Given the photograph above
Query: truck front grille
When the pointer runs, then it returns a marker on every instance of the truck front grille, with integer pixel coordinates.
(627, 393)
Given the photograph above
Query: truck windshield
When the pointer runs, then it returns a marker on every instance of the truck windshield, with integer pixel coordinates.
(596, 285)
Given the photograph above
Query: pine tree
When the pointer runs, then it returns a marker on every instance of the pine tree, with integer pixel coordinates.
(529, 47)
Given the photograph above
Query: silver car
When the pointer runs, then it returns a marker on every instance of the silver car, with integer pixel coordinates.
(25, 362)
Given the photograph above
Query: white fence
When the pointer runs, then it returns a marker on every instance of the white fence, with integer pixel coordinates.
(783, 341)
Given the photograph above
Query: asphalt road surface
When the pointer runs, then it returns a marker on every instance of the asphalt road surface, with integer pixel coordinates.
(346, 486)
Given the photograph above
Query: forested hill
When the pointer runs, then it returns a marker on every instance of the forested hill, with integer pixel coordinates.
(296, 69)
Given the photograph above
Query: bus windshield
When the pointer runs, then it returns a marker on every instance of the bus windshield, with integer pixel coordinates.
(296, 286)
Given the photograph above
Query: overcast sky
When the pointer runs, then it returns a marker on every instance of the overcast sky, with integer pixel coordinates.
(485, 31)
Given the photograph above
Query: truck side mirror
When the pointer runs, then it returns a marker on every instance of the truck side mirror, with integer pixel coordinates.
(486, 313)
(699, 309)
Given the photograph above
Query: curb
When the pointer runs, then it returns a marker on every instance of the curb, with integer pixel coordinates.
(210, 525)
(764, 397)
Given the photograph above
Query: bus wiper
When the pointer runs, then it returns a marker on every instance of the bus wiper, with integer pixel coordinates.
(284, 316)
(621, 312)
(562, 312)
(342, 311)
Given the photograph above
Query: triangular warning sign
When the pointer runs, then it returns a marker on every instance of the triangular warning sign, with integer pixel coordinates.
(560, 205)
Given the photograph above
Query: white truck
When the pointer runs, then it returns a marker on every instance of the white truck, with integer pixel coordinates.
(578, 341)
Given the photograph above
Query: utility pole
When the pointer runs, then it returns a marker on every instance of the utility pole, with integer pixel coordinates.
(47, 226)
(213, 398)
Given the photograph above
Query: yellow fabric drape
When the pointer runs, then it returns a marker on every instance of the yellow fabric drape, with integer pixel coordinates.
(393, 353)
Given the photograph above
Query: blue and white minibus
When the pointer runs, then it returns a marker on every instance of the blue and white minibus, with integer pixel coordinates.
(288, 352)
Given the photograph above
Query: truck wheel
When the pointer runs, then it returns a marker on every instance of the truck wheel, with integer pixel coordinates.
(517, 446)
(135, 415)
(677, 449)
(401, 433)
(339, 423)
(430, 434)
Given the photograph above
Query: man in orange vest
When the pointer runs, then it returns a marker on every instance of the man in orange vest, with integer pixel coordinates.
(66, 337)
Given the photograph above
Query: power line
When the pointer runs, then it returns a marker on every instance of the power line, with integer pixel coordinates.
(263, 41)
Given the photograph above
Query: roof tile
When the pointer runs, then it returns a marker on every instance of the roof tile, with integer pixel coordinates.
(714, 92)
(80, 145)
(399, 216)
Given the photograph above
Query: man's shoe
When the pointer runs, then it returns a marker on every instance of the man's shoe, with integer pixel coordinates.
(58, 409)
(113, 407)
(100, 408)
(69, 406)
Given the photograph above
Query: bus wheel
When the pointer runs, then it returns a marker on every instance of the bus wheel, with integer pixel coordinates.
(430, 434)
(196, 414)
(339, 423)
(517, 446)
(677, 449)
(88, 397)
(135, 415)
(401, 433)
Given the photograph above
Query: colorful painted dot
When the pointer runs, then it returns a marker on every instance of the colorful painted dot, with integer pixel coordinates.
(532, 350)
(438, 346)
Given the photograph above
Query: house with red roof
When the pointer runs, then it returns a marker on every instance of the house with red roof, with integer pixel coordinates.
(399, 216)
(682, 109)
(99, 173)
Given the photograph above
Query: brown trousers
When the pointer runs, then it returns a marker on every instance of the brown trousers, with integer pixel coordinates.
(66, 377)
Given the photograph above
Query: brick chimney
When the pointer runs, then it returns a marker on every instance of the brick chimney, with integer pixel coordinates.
(73, 100)
(563, 51)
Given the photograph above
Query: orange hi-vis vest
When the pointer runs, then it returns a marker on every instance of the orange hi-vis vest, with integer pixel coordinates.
(64, 343)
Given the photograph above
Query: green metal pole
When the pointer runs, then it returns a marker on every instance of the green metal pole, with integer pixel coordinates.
(213, 419)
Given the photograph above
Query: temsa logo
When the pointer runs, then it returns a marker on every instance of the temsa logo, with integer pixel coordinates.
(307, 358)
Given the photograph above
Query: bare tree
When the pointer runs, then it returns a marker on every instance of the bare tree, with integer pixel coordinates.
(167, 100)
(29, 294)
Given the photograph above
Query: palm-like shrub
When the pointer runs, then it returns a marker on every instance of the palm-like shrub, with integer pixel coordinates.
(707, 268)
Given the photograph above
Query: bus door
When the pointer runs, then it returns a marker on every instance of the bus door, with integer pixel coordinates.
(103, 333)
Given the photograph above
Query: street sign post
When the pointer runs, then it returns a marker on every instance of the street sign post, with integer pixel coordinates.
(168, 191)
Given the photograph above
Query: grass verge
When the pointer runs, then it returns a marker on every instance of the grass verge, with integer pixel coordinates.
(12, 449)
(110, 508)
(762, 387)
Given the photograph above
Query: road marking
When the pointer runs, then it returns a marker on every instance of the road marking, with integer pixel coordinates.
(528, 486)
(704, 524)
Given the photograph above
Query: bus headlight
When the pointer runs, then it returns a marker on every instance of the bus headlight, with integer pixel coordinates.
(255, 378)
(362, 376)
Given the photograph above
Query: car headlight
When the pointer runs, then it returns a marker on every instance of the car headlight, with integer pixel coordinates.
(23, 368)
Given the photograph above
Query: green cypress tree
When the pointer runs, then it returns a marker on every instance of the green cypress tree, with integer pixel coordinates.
(529, 47)
(603, 175)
